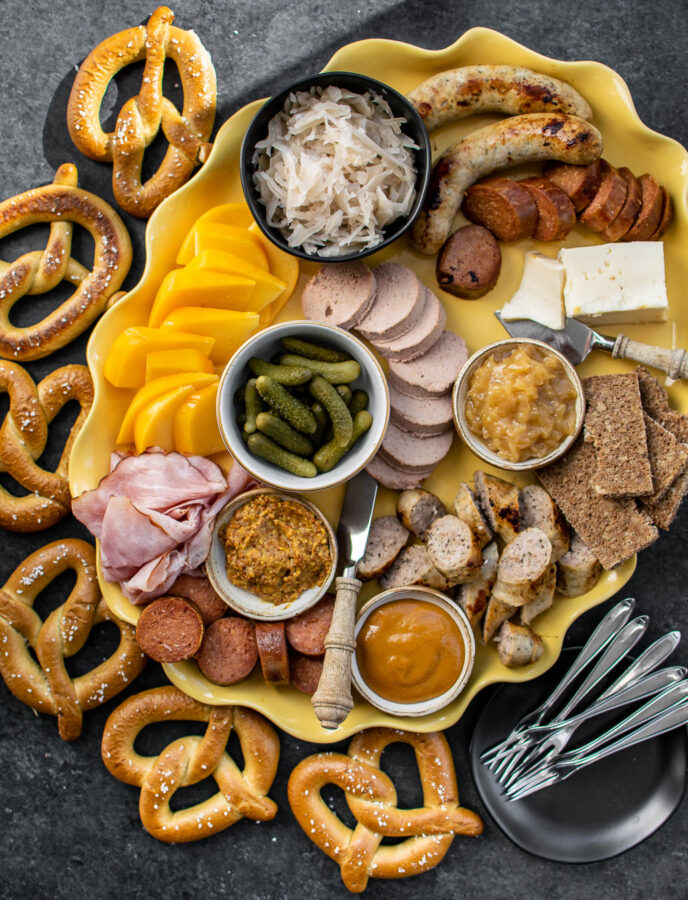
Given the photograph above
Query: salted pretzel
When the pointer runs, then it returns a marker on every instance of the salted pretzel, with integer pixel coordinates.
(191, 759)
(142, 116)
(372, 799)
(23, 436)
(63, 205)
(45, 685)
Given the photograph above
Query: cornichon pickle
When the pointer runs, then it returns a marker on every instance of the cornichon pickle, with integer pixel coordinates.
(345, 393)
(335, 373)
(337, 410)
(262, 446)
(328, 455)
(323, 421)
(287, 407)
(283, 434)
(252, 405)
(281, 374)
(359, 402)
(313, 351)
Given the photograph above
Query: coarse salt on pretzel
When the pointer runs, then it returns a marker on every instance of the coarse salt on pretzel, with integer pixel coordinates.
(45, 685)
(372, 799)
(62, 204)
(141, 117)
(188, 760)
(23, 436)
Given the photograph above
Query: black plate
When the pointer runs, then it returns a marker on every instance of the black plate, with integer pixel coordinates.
(597, 813)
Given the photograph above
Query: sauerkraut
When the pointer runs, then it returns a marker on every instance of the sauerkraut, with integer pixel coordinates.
(334, 170)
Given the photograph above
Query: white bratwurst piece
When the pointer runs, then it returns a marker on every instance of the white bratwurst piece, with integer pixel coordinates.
(498, 500)
(538, 510)
(418, 509)
(466, 508)
(578, 570)
(524, 566)
(413, 566)
(519, 645)
(387, 537)
(473, 596)
(453, 549)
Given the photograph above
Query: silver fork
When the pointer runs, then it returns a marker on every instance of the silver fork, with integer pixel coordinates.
(615, 651)
(606, 630)
(631, 685)
(665, 712)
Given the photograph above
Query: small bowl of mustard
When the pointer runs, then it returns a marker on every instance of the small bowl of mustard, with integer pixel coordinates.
(414, 651)
(272, 555)
(518, 404)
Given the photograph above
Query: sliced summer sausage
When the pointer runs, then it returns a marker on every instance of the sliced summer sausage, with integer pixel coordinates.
(305, 672)
(499, 502)
(607, 203)
(502, 205)
(413, 566)
(434, 373)
(307, 632)
(556, 215)
(473, 596)
(467, 509)
(272, 652)
(544, 597)
(340, 294)
(650, 213)
(386, 539)
(398, 304)
(229, 651)
(200, 592)
(523, 566)
(453, 549)
(665, 219)
(393, 478)
(418, 509)
(580, 183)
(538, 510)
(412, 453)
(469, 262)
(519, 645)
(169, 630)
(629, 211)
(426, 416)
(578, 570)
(422, 337)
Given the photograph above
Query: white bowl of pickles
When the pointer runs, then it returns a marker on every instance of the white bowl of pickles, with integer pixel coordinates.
(303, 406)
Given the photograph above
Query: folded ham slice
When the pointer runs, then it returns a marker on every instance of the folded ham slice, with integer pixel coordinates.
(154, 514)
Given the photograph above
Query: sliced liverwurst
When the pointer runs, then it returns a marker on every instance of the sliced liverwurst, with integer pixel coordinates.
(422, 337)
(393, 478)
(427, 416)
(399, 301)
(433, 373)
(340, 294)
(412, 453)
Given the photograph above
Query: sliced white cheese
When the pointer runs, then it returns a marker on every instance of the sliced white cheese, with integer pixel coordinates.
(614, 283)
(539, 295)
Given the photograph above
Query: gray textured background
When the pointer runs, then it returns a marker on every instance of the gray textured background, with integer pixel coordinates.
(67, 829)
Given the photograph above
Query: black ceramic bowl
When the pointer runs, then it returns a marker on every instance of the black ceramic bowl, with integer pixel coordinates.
(359, 84)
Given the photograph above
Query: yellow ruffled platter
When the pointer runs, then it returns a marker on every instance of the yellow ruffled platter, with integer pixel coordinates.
(627, 142)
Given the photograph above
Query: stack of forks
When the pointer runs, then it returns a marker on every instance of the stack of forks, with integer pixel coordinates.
(534, 756)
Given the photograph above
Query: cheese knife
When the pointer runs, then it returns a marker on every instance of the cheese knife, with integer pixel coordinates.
(576, 340)
(332, 701)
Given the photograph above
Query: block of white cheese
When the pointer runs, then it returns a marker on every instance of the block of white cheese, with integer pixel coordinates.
(613, 283)
(540, 294)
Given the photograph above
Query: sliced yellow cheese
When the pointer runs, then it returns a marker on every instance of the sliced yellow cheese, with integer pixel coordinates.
(154, 425)
(282, 265)
(155, 389)
(200, 287)
(267, 289)
(195, 424)
(169, 362)
(229, 328)
(227, 238)
(125, 365)
(237, 214)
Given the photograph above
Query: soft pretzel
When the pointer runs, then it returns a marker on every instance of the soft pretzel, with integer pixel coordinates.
(45, 685)
(191, 759)
(372, 799)
(23, 437)
(62, 204)
(142, 116)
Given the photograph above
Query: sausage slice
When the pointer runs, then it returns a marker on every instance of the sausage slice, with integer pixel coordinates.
(498, 611)
(426, 416)
(466, 508)
(412, 453)
(305, 672)
(386, 538)
(469, 262)
(607, 202)
(200, 592)
(414, 566)
(523, 567)
(499, 502)
(229, 651)
(578, 570)
(307, 632)
(650, 213)
(422, 337)
(272, 652)
(519, 645)
(418, 509)
(556, 215)
(538, 510)
(398, 304)
(453, 549)
(169, 630)
(432, 374)
(580, 183)
(339, 294)
(665, 219)
(629, 211)
(393, 478)
(473, 596)
(544, 597)
(502, 205)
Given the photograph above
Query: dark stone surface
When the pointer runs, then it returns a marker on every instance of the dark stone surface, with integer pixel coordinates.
(67, 829)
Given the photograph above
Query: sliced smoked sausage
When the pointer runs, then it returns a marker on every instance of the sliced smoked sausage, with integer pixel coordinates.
(580, 183)
(556, 215)
(199, 591)
(607, 202)
(650, 213)
(169, 630)
(469, 262)
(305, 672)
(272, 652)
(629, 211)
(504, 206)
(229, 651)
(307, 631)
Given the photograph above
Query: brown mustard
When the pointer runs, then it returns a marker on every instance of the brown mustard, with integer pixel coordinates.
(409, 651)
(521, 403)
(276, 548)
